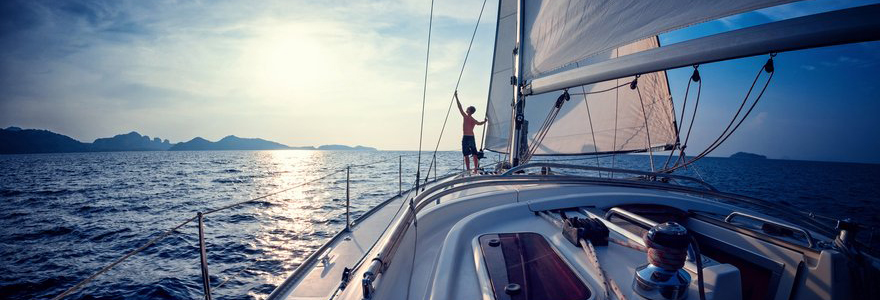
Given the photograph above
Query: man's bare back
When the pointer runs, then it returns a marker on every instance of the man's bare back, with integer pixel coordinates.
(468, 142)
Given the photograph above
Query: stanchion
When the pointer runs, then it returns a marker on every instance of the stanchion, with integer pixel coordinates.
(347, 204)
(400, 175)
(206, 279)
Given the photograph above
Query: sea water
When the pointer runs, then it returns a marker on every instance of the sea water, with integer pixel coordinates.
(65, 216)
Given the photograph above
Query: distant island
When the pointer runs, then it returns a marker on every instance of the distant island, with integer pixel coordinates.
(344, 147)
(746, 155)
(15, 140)
(228, 143)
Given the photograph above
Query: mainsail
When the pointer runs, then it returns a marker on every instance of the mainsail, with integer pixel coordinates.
(564, 35)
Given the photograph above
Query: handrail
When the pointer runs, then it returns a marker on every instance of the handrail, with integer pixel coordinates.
(729, 220)
(592, 168)
(631, 216)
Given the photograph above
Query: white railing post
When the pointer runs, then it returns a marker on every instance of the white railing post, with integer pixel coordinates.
(400, 175)
(206, 279)
(347, 204)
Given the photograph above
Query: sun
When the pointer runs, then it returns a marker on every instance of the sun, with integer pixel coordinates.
(283, 61)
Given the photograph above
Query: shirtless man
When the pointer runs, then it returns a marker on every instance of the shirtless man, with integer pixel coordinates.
(468, 143)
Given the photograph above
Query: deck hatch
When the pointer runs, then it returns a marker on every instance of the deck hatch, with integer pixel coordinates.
(527, 260)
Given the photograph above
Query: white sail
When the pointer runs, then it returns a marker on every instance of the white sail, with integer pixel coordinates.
(566, 35)
(610, 121)
(558, 34)
(498, 109)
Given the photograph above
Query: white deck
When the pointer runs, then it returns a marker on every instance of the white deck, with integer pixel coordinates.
(447, 263)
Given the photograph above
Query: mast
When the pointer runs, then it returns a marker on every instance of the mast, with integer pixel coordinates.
(517, 117)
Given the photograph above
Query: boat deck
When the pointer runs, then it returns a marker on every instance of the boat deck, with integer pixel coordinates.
(321, 274)
(440, 256)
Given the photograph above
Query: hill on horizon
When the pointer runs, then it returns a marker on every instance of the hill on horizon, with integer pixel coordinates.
(230, 142)
(746, 155)
(131, 141)
(15, 140)
(344, 147)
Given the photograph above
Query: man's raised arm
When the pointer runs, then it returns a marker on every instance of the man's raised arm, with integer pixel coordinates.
(460, 110)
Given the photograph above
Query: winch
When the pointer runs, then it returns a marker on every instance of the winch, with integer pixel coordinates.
(663, 278)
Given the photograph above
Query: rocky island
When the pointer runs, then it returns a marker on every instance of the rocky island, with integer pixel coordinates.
(746, 155)
(228, 143)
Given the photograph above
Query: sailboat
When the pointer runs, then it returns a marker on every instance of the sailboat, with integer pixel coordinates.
(590, 77)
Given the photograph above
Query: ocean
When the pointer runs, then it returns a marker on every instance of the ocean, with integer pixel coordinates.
(65, 216)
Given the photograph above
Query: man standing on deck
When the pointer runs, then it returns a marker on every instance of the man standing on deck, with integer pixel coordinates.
(468, 143)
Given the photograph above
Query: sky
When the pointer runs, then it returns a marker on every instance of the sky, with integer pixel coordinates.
(351, 71)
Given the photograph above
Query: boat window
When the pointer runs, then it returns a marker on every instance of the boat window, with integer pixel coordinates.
(523, 266)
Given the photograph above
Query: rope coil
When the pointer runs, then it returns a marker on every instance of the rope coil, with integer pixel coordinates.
(668, 258)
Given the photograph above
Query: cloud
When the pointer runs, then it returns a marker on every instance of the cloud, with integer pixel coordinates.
(848, 62)
(851, 60)
(759, 119)
(808, 67)
(300, 72)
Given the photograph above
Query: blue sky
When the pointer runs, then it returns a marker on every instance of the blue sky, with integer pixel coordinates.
(822, 104)
(349, 72)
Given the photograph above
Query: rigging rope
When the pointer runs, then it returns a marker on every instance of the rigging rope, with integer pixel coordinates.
(457, 82)
(696, 78)
(483, 135)
(635, 86)
(422, 126)
(614, 144)
(424, 93)
(380, 161)
(121, 259)
(545, 127)
(602, 91)
(592, 130)
(273, 193)
(681, 154)
(551, 117)
(573, 159)
(590, 120)
(768, 68)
